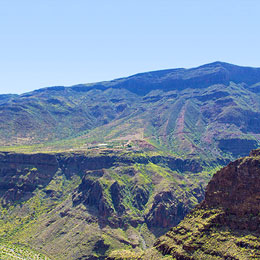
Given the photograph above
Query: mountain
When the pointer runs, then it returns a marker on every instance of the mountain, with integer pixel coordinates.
(94, 168)
(225, 225)
(209, 112)
(84, 205)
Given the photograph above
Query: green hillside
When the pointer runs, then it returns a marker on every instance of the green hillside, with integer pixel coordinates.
(13, 251)
(226, 225)
(102, 170)
(71, 205)
(209, 112)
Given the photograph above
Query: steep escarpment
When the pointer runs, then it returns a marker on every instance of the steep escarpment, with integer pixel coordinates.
(226, 225)
(84, 205)
(22, 174)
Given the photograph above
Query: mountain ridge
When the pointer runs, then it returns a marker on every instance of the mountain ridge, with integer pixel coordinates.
(159, 74)
(187, 112)
(113, 166)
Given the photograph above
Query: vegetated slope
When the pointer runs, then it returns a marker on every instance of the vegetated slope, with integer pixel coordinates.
(7, 97)
(14, 251)
(211, 111)
(85, 205)
(226, 225)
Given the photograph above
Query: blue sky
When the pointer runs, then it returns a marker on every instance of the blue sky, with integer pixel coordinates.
(64, 42)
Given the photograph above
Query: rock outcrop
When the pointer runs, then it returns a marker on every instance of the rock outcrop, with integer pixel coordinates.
(85, 204)
(21, 174)
(226, 225)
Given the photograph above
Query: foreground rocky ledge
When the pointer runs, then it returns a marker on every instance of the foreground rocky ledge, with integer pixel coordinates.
(226, 225)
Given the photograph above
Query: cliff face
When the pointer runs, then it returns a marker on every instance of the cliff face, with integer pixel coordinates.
(93, 202)
(236, 189)
(21, 174)
(226, 225)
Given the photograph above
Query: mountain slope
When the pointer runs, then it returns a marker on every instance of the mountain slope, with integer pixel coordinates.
(211, 111)
(84, 205)
(123, 161)
(226, 225)
(11, 252)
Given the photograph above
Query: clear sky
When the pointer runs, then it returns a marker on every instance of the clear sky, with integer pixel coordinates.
(65, 42)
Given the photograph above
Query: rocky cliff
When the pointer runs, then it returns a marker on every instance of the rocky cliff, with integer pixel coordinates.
(226, 225)
(21, 174)
(83, 205)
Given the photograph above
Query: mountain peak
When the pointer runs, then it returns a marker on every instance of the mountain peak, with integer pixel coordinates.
(217, 72)
(177, 79)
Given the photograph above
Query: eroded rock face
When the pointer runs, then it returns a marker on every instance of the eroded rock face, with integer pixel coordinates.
(102, 191)
(141, 196)
(236, 189)
(21, 174)
(90, 192)
(77, 163)
(117, 194)
(226, 225)
(166, 211)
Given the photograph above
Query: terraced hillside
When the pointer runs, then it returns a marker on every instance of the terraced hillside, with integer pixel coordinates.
(209, 112)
